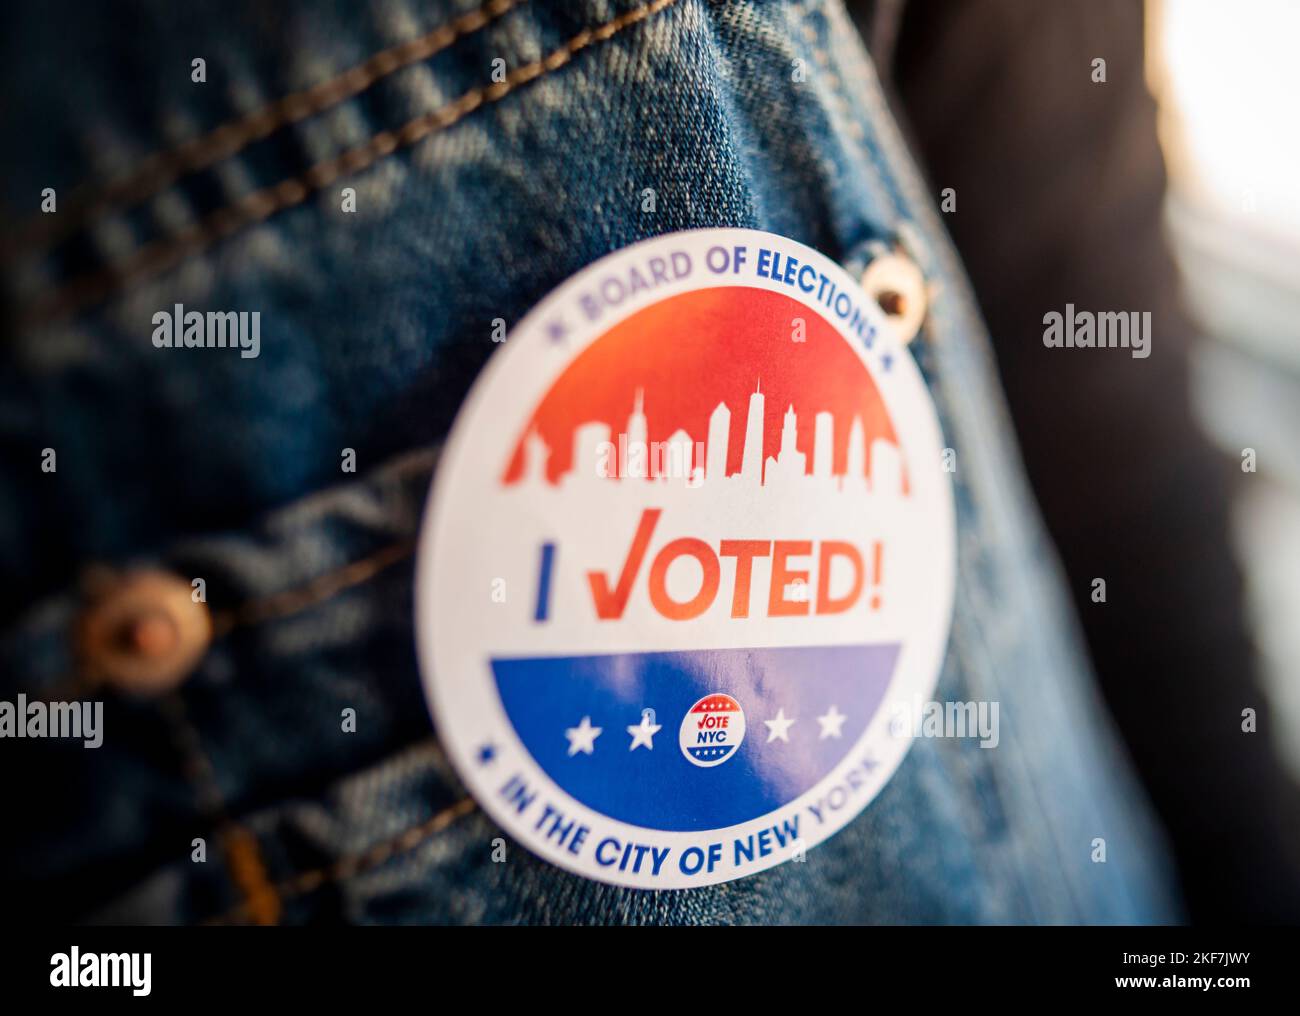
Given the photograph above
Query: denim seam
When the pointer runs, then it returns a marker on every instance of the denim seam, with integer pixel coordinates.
(307, 882)
(161, 255)
(161, 169)
(244, 865)
(304, 514)
(803, 10)
(842, 111)
(273, 607)
(318, 590)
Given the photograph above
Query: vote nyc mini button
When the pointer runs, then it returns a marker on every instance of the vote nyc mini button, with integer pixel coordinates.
(712, 731)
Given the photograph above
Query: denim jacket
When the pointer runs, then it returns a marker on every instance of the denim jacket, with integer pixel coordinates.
(490, 150)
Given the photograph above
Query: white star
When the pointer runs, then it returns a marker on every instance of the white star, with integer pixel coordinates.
(831, 723)
(779, 728)
(582, 738)
(644, 732)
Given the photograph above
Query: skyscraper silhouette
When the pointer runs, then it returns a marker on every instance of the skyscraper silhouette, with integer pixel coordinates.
(638, 459)
(751, 463)
(790, 464)
(823, 445)
(719, 442)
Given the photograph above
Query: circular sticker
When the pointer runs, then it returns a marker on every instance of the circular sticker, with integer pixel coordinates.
(712, 730)
(700, 490)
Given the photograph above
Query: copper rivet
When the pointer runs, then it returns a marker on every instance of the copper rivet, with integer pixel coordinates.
(892, 303)
(143, 632)
(155, 635)
(897, 285)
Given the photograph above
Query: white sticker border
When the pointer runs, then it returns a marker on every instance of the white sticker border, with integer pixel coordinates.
(468, 713)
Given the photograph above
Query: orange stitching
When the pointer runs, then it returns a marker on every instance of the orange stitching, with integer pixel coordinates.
(319, 589)
(239, 847)
(160, 170)
(261, 901)
(260, 205)
(349, 867)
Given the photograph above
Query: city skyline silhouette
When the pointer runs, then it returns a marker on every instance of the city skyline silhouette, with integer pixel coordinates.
(597, 453)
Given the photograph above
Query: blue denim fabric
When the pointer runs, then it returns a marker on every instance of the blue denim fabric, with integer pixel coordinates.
(374, 325)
